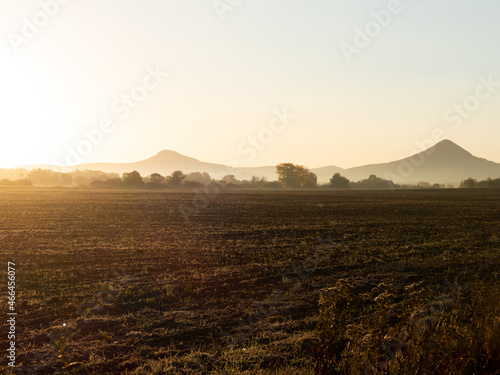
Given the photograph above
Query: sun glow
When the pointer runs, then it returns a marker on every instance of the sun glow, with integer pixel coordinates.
(24, 115)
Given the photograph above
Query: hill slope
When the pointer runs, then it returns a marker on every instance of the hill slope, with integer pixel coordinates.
(445, 162)
(165, 162)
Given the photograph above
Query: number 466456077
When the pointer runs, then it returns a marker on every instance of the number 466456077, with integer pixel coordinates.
(11, 284)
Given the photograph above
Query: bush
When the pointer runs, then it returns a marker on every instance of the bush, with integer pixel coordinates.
(339, 182)
(367, 329)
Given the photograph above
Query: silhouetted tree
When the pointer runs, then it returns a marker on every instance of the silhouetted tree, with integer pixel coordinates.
(156, 181)
(176, 178)
(489, 183)
(374, 182)
(257, 183)
(295, 176)
(473, 183)
(339, 182)
(468, 183)
(287, 175)
(133, 179)
(275, 185)
(424, 184)
(202, 178)
(309, 181)
(229, 179)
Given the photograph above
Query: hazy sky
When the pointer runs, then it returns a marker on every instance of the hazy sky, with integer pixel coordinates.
(89, 63)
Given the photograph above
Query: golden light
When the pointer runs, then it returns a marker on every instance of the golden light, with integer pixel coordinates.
(24, 115)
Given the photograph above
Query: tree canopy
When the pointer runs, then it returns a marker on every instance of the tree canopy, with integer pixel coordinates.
(339, 182)
(132, 179)
(176, 178)
(293, 176)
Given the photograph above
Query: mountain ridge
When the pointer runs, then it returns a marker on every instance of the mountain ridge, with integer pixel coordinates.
(445, 162)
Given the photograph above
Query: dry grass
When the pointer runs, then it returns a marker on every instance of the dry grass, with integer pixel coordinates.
(369, 329)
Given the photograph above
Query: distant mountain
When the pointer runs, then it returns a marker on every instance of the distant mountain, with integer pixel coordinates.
(445, 163)
(165, 162)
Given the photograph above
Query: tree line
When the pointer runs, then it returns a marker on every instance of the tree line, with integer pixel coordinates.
(473, 183)
(290, 176)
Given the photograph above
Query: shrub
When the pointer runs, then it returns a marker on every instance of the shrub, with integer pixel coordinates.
(372, 330)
